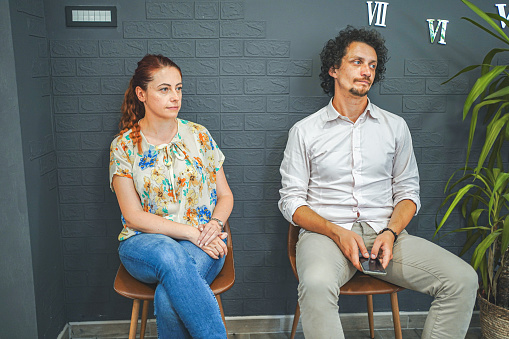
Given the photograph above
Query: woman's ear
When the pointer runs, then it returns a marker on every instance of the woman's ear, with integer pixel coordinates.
(140, 93)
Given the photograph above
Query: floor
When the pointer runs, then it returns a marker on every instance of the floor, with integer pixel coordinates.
(473, 333)
(247, 328)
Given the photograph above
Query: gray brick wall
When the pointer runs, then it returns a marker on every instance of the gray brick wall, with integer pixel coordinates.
(249, 75)
(30, 176)
(232, 83)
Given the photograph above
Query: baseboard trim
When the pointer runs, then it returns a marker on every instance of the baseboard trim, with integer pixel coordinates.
(251, 324)
(64, 334)
(349, 321)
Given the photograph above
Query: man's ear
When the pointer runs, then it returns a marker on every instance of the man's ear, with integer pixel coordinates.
(333, 72)
(140, 93)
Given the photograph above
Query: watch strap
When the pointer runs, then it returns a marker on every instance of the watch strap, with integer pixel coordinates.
(219, 222)
(393, 233)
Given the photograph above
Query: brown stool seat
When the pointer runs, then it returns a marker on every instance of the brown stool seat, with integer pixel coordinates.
(129, 287)
(360, 284)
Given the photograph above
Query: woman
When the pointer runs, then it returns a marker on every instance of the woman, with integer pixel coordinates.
(168, 177)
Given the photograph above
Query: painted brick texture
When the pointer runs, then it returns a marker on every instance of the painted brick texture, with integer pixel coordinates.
(239, 81)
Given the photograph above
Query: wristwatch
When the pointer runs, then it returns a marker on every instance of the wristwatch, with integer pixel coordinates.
(219, 222)
(388, 229)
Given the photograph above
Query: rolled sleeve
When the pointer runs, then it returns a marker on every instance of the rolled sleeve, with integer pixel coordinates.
(218, 156)
(405, 183)
(120, 159)
(294, 171)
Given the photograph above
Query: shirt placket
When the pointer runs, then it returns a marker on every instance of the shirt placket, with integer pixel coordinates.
(357, 166)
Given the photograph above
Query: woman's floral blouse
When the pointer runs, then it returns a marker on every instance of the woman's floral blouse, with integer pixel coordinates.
(177, 180)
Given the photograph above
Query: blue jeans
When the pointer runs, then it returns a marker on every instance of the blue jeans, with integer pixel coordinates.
(184, 304)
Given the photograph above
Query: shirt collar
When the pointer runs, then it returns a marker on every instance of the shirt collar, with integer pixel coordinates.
(332, 114)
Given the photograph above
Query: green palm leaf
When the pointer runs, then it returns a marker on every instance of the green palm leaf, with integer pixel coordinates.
(473, 123)
(481, 249)
(470, 242)
(489, 57)
(500, 93)
(497, 17)
(484, 29)
(479, 87)
(487, 18)
(456, 200)
(464, 70)
(491, 135)
(505, 237)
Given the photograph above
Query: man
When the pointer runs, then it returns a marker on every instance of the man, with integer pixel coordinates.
(350, 180)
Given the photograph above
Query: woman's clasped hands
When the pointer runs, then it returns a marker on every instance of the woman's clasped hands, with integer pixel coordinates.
(211, 239)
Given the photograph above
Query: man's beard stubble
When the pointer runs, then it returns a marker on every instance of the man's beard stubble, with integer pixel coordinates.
(360, 93)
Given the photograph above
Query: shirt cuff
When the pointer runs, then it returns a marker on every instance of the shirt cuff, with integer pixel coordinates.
(288, 209)
(414, 198)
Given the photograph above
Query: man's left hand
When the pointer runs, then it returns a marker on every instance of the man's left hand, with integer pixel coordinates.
(382, 248)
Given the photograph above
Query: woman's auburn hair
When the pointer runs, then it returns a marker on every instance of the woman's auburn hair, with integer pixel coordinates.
(132, 108)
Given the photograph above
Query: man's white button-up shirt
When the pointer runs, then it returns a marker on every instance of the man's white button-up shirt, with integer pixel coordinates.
(349, 172)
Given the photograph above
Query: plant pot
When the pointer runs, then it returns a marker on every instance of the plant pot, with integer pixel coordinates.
(494, 319)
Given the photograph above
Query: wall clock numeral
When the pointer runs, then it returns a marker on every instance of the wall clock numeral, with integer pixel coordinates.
(380, 9)
(433, 32)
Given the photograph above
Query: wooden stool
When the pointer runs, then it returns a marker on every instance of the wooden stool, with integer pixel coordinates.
(134, 289)
(360, 284)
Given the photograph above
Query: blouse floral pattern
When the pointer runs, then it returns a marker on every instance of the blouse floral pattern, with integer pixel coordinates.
(176, 181)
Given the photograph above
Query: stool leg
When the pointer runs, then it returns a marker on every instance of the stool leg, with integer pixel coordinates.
(218, 298)
(295, 321)
(371, 321)
(134, 319)
(395, 316)
(144, 316)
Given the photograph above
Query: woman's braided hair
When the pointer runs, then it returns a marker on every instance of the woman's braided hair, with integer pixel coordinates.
(335, 50)
(132, 108)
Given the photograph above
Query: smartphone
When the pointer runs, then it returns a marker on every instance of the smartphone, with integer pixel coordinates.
(372, 266)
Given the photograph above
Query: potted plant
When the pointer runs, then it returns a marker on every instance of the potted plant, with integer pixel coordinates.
(482, 192)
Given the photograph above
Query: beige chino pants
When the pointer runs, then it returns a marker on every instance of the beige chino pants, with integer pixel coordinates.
(417, 264)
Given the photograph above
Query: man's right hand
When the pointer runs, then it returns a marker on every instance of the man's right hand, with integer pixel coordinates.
(350, 243)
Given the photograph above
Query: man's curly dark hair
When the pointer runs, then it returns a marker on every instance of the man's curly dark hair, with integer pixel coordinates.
(335, 50)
